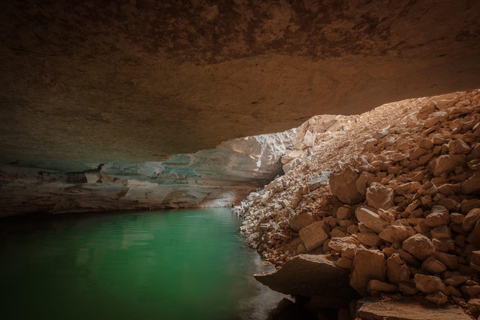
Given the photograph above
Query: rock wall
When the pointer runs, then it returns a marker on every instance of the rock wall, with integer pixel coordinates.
(393, 197)
(217, 177)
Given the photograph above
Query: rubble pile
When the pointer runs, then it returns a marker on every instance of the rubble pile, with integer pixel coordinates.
(392, 196)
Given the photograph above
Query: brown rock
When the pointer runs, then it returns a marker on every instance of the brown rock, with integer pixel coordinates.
(419, 246)
(428, 284)
(371, 219)
(368, 265)
(474, 237)
(470, 291)
(438, 298)
(434, 266)
(445, 163)
(344, 213)
(459, 147)
(408, 288)
(442, 232)
(472, 185)
(471, 219)
(397, 233)
(379, 196)
(314, 235)
(380, 286)
(343, 186)
(344, 263)
(397, 269)
(438, 216)
(346, 245)
(449, 260)
(377, 309)
(308, 276)
(301, 220)
(407, 188)
(369, 239)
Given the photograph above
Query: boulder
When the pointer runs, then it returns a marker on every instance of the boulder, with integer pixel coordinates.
(376, 309)
(343, 186)
(371, 219)
(368, 265)
(379, 196)
(419, 246)
(438, 298)
(314, 235)
(301, 221)
(397, 270)
(308, 276)
(438, 216)
(369, 239)
(441, 232)
(428, 284)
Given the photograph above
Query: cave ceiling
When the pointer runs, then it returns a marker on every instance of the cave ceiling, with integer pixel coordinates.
(137, 80)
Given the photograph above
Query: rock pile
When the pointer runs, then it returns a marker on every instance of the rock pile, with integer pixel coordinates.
(392, 196)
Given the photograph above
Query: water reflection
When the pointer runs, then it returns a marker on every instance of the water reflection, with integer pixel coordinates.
(189, 264)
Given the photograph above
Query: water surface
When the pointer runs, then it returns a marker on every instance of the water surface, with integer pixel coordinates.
(186, 264)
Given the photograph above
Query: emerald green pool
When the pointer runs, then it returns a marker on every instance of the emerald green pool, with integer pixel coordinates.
(185, 264)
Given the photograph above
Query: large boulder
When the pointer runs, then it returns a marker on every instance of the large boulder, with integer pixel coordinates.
(343, 186)
(368, 265)
(309, 276)
(377, 309)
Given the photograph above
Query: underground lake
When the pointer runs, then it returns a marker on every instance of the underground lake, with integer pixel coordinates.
(178, 264)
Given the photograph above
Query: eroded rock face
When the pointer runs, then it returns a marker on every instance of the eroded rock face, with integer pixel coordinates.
(135, 81)
(218, 177)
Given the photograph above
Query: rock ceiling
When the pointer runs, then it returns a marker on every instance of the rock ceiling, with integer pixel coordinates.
(136, 80)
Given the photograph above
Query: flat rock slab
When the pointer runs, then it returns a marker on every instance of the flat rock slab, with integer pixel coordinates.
(373, 309)
(308, 276)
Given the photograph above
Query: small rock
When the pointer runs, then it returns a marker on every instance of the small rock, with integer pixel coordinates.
(301, 220)
(379, 196)
(442, 232)
(433, 266)
(395, 233)
(438, 298)
(428, 284)
(314, 235)
(371, 219)
(419, 246)
(380, 286)
(397, 270)
(344, 213)
(343, 186)
(438, 216)
(472, 185)
(459, 147)
(368, 265)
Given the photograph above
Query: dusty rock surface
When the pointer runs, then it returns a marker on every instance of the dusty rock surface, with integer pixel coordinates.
(410, 199)
(133, 81)
(376, 309)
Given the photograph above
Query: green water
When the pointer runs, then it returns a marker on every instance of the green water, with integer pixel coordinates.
(187, 264)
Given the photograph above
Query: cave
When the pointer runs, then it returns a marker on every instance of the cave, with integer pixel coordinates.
(240, 159)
